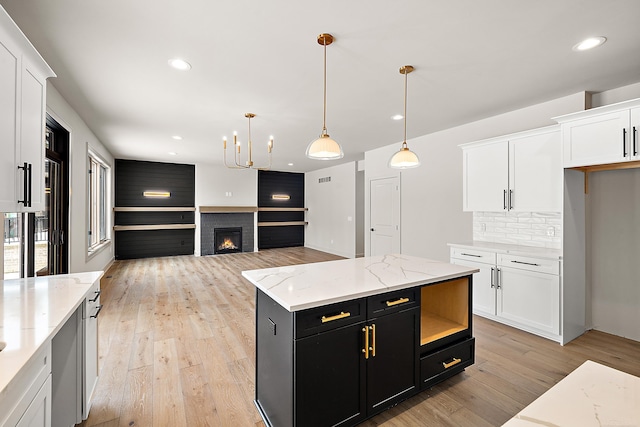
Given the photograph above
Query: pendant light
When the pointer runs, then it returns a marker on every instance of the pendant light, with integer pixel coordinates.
(405, 158)
(325, 147)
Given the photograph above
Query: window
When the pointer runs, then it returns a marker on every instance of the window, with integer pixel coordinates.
(98, 233)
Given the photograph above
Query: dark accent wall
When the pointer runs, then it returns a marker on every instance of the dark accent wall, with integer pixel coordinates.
(132, 178)
(292, 184)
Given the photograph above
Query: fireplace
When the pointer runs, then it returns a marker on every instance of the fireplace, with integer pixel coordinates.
(227, 240)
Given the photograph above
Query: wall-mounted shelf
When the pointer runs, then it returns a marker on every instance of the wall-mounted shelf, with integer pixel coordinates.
(227, 209)
(281, 223)
(604, 167)
(282, 209)
(153, 227)
(153, 209)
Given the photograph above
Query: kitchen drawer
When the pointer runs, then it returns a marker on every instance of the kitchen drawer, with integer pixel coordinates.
(320, 319)
(540, 265)
(475, 255)
(392, 302)
(443, 364)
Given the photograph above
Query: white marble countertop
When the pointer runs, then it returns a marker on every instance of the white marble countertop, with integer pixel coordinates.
(533, 251)
(32, 311)
(304, 286)
(592, 395)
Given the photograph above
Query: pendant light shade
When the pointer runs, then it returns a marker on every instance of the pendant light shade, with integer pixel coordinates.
(325, 147)
(405, 158)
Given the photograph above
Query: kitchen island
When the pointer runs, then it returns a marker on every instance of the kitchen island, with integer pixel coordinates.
(49, 327)
(340, 341)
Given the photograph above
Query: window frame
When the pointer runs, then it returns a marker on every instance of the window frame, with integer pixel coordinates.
(98, 196)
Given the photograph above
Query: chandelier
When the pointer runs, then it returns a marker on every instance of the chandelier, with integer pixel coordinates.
(236, 150)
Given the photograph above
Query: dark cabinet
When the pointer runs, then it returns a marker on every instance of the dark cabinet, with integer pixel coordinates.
(330, 377)
(339, 364)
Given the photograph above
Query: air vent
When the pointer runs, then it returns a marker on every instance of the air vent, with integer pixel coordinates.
(325, 179)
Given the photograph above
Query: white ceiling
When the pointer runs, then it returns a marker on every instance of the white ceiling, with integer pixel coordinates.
(473, 59)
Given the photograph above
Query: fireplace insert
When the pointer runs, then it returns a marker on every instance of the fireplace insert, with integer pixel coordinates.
(227, 240)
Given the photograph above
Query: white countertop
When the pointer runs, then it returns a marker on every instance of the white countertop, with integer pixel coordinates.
(32, 311)
(533, 251)
(298, 287)
(592, 395)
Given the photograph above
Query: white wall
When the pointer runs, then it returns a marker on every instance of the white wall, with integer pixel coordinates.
(332, 212)
(80, 137)
(431, 195)
(217, 185)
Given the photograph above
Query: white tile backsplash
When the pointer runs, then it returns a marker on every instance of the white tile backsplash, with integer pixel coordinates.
(519, 228)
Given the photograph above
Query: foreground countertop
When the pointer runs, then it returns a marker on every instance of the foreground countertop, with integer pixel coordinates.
(299, 287)
(533, 251)
(592, 395)
(32, 311)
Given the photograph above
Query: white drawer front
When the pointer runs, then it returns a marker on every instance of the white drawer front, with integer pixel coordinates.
(475, 255)
(540, 265)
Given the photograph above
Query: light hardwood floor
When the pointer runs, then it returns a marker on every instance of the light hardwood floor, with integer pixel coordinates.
(176, 348)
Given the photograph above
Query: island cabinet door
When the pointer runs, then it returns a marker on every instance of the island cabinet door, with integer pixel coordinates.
(393, 363)
(330, 378)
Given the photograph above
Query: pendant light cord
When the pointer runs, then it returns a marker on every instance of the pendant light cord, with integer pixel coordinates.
(404, 143)
(324, 112)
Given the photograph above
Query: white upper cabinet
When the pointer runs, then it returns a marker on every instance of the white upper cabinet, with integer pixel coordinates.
(520, 172)
(601, 136)
(23, 76)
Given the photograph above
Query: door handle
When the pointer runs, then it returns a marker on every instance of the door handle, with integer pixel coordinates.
(25, 181)
(634, 136)
(498, 278)
(365, 350)
(510, 199)
(30, 183)
(624, 142)
(95, 316)
(504, 199)
(493, 272)
(372, 328)
(94, 299)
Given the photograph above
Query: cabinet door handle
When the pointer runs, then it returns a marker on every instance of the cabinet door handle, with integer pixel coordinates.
(635, 149)
(342, 315)
(504, 199)
(396, 302)
(95, 316)
(498, 278)
(526, 263)
(94, 299)
(373, 340)
(454, 362)
(25, 181)
(624, 142)
(510, 199)
(473, 255)
(30, 184)
(493, 272)
(365, 350)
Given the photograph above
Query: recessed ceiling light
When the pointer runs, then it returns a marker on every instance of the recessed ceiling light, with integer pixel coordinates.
(589, 43)
(177, 137)
(172, 153)
(289, 164)
(397, 117)
(179, 64)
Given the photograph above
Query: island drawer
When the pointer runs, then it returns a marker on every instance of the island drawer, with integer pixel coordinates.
(327, 317)
(392, 302)
(442, 364)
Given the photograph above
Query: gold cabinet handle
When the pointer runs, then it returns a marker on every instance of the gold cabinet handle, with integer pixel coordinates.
(373, 340)
(365, 350)
(452, 363)
(396, 302)
(342, 315)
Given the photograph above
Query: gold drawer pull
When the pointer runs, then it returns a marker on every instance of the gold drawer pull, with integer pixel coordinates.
(342, 315)
(452, 363)
(365, 350)
(396, 302)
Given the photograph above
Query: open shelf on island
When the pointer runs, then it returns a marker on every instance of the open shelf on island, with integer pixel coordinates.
(444, 310)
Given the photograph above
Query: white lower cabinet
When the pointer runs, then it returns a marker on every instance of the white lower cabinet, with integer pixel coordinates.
(28, 400)
(521, 291)
(38, 414)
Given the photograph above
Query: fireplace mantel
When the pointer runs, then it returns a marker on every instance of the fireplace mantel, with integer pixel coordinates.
(227, 209)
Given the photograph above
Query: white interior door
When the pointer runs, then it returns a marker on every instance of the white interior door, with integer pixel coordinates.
(385, 216)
